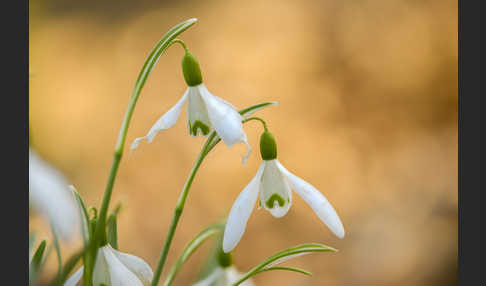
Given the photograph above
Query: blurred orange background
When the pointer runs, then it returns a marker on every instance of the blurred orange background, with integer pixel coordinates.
(368, 114)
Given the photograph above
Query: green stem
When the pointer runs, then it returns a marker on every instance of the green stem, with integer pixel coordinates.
(256, 118)
(181, 42)
(99, 237)
(179, 208)
(208, 146)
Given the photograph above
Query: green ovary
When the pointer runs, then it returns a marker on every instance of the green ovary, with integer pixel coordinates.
(198, 125)
(275, 197)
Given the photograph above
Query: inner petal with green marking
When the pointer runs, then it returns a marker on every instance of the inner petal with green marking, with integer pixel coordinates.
(197, 114)
(196, 126)
(275, 193)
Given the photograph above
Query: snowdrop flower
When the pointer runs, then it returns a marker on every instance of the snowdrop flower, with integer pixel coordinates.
(205, 112)
(115, 268)
(273, 182)
(49, 195)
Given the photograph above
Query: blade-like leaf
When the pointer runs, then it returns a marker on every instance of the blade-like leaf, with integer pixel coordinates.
(284, 255)
(294, 269)
(83, 214)
(36, 262)
(191, 247)
(254, 108)
(112, 230)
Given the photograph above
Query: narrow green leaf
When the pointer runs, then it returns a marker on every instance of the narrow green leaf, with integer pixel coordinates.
(295, 269)
(112, 229)
(254, 108)
(284, 255)
(83, 214)
(191, 247)
(36, 262)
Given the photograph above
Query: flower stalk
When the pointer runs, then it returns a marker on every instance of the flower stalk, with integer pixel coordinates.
(99, 238)
(208, 146)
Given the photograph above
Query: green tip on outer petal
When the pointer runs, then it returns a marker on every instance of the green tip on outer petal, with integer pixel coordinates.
(268, 146)
(191, 70)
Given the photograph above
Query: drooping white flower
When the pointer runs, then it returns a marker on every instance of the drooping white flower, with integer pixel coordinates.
(50, 196)
(205, 111)
(115, 268)
(273, 182)
(223, 277)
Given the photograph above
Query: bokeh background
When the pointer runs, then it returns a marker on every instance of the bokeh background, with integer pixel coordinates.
(367, 114)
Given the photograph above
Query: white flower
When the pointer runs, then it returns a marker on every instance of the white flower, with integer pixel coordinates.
(114, 268)
(273, 182)
(49, 195)
(223, 277)
(205, 112)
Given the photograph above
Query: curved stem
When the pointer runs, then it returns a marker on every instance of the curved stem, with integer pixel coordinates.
(179, 208)
(99, 237)
(208, 146)
(181, 42)
(256, 118)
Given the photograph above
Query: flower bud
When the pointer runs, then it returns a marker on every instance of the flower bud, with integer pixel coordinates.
(268, 146)
(191, 70)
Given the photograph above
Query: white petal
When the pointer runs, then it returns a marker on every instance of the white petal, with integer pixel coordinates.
(316, 201)
(274, 183)
(165, 122)
(119, 274)
(48, 193)
(101, 273)
(75, 278)
(240, 212)
(197, 111)
(224, 118)
(136, 265)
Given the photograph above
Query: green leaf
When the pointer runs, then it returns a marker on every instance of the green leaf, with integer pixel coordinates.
(254, 108)
(83, 214)
(284, 255)
(111, 225)
(192, 246)
(36, 262)
(294, 269)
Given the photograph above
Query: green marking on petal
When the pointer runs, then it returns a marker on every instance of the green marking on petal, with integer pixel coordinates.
(275, 197)
(198, 125)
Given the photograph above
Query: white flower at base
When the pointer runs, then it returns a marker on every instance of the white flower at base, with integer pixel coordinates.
(273, 182)
(205, 112)
(115, 268)
(49, 195)
(223, 277)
